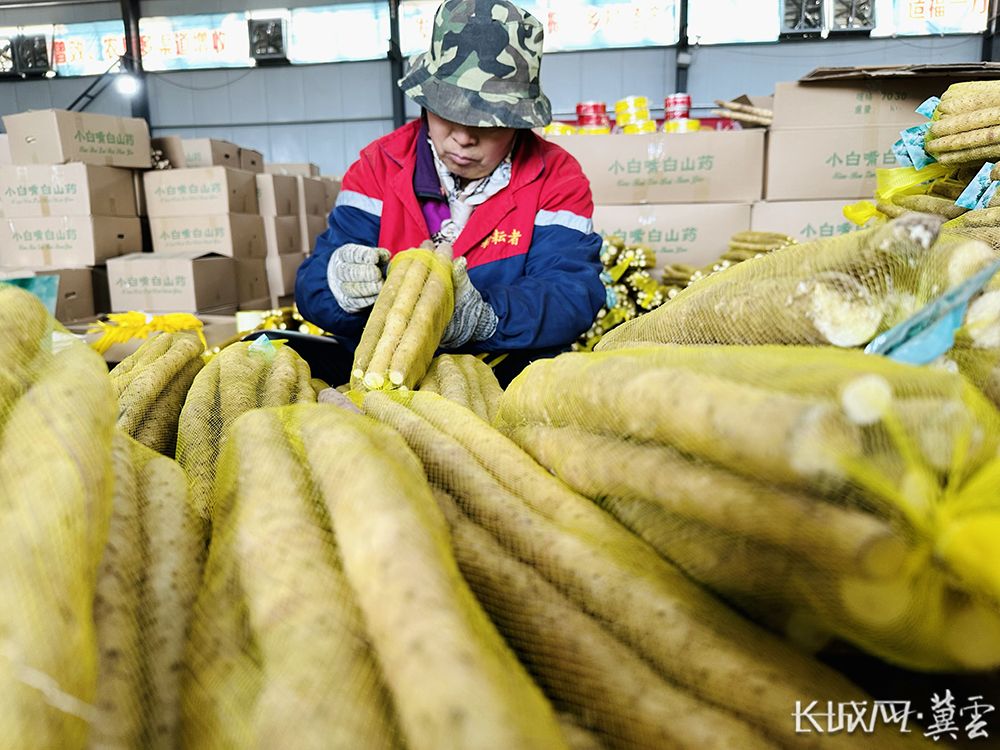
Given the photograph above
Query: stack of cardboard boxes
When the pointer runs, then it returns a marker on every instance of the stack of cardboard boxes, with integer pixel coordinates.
(69, 201)
(826, 143)
(681, 194)
(313, 208)
(206, 233)
(207, 152)
(278, 196)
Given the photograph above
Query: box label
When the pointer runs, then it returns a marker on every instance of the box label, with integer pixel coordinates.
(26, 194)
(192, 238)
(898, 101)
(104, 142)
(855, 165)
(692, 233)
(666, 240)
(686, 170)
(812, 231)
(38, 239)
(174, 194)
(165, 284)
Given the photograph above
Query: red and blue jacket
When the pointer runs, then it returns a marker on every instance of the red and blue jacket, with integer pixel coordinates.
(531, 249)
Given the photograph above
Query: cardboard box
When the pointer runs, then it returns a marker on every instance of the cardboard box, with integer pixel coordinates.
(250, 160)
(277, 195)
(251, 279)
(802, 220)
(76, 291)
(200, 192)
(311, 227)
(281, 271)
(198, 152)
(699, 167)
(282, 235)
(61, 241)
(827, 163)
(233, 235)
(209, 152)
(56, 136)
(74, 189)
(5, 149)
(76, 294)
(186, 281)
(695, 233)
(853, 103)
(333, 185)
(978, 71)
(312, 196)
(301, 169)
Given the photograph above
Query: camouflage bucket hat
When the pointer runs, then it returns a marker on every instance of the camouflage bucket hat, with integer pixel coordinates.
(482, 68)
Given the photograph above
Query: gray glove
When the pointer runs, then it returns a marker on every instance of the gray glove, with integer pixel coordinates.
(355, 275)
(473, 319)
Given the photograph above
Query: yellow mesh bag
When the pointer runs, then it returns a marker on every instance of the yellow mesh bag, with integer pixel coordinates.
(976, 351)
(466, 380)
(241, 377)
(332, 613)
(57, 418)
(980, 366)
(841, 291)
(411, 577)
(145, 593)
(151, 385)
(407, 321)
(591, 607)
(821, 490)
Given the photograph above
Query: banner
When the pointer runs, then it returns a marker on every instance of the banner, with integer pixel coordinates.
(339, 33)
(85, 49)
(930, 17)
(733, 21)
(569, 24)
(218, 40)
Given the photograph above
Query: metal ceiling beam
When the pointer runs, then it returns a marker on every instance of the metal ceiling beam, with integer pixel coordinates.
(132, 61)
(396, 66)
(682, 55)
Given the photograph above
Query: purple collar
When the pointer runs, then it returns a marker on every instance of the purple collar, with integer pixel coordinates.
(426, 184)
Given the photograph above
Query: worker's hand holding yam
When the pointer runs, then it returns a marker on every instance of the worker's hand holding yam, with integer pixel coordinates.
(473, 319)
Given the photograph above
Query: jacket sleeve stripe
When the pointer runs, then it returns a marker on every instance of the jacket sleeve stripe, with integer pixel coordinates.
(360, 201)
(566, 219)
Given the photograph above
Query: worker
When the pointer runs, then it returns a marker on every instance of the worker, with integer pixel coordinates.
(470, 172)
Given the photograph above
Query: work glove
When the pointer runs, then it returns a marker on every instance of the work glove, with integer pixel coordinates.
(355, 275)
(473, 319)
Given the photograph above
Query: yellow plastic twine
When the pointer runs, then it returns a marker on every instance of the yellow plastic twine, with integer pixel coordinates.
(861, 213)
(891, 182)
(122, 327)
